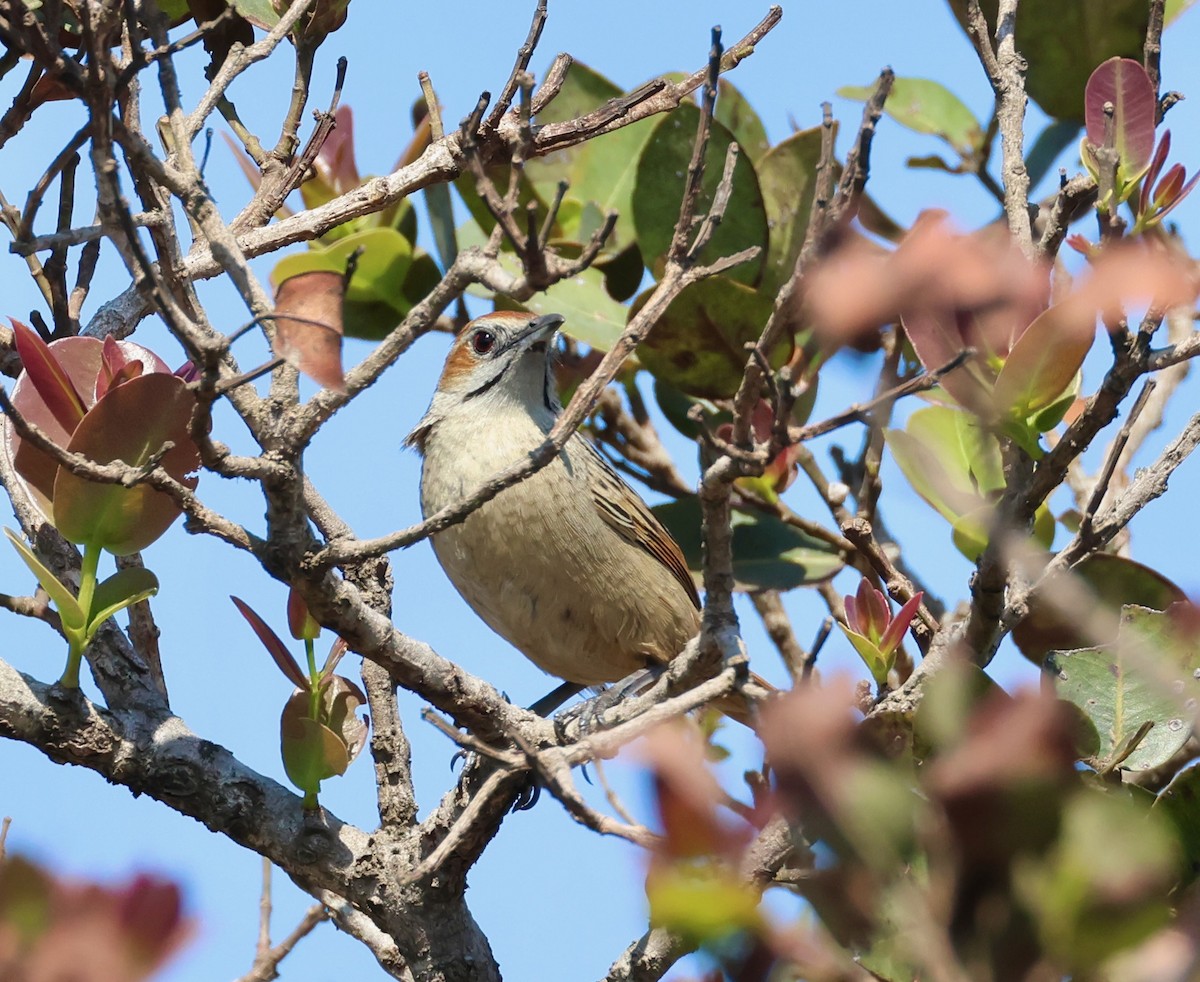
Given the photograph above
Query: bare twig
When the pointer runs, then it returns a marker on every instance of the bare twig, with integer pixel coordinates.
(778, 625)
(1115, 451)
(436, 130)
(1006, 71)
(524, 54)
(1149, 483)
(1152, 52)
(1072, 199)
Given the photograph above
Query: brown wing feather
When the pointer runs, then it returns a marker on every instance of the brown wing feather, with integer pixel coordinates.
(626, 513)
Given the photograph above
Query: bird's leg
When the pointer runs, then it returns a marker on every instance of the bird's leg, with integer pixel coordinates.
(555, 698)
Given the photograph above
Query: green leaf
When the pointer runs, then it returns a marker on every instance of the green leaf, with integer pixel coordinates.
(375, 298)
(675, 406)
(599, 172)
(970, 532)
(259, 12)
(949, 701)
(1047, 419)
(422, 276)
(735, 113)
(768, 554)
(658, 190)
(1045, 360)
(592, 316)
(527, 195)
(926, 106)
(698, 345)
(932, 454)
(441, 217)
(870, 654)
(311, 751)
(980, 451)
(1175, 8)
(1117, 688)
(1063, 40)
(583, 90)
(64, 600)
(787, 177)
(124, 588)
(132, 423)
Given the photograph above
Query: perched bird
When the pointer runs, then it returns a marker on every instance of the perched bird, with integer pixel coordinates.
(569, 565)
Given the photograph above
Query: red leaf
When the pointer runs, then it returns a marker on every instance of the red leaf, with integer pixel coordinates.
(1152, 172)
(896, 629)
(335, 162)
(687, 796)
(81, 359)
(115, 367)
(301, 623)
(1123, 83)
(1179, 196)
(48, 377)
(275, 648)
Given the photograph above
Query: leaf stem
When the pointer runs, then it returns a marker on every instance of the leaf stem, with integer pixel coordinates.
(79, 639)
(314, 681)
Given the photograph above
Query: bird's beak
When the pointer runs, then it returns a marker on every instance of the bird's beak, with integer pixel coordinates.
(540, 330)
(545, 326)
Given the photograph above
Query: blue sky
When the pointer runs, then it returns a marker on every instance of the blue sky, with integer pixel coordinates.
(557, 901)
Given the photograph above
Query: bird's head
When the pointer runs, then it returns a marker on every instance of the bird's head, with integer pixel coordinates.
(499, 362)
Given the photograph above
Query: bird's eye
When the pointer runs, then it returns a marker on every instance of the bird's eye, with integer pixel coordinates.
(482, 342)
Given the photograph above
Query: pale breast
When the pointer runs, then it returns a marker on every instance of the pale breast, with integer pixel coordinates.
(542, 569)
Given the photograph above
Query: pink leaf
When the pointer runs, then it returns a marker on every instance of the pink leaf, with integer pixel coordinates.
(900, 623)
(1124, 84)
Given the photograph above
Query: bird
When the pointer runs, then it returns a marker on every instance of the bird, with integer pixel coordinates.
(569, 566)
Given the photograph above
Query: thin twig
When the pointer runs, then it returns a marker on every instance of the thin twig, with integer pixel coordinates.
(856, 412)
(520, 68)
(778, 625)
(1115, 450)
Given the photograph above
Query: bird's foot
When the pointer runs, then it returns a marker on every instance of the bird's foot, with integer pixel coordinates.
(590, 713)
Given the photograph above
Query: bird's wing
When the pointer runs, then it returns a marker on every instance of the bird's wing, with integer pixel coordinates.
(626, 513)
